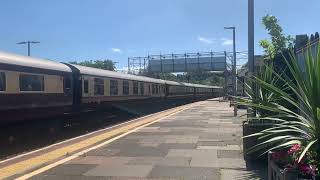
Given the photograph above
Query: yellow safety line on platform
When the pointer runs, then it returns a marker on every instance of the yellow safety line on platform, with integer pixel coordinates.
(34, 162)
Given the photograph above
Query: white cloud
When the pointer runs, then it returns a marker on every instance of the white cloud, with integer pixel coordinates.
(205, 40)
(226, 42)
(123, 69)
(116, 50)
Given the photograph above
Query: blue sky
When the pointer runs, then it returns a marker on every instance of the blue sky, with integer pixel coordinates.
(116, 29)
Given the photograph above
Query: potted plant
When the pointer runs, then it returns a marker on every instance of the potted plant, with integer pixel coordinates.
(295, 116)
(255, 125)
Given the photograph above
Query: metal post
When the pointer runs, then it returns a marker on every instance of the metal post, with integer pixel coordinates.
(149, 66)
(28, 43)
(128, 65)
(235, 110)
(144, 65)
(185, 62)
(161, 63)
(139, 65)
(226, 75)
(198, 54)
(172, 62)
(251, 45)
(211, 58)
(234, 69)
(28, 48)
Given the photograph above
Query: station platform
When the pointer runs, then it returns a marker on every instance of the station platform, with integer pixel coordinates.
(202, 141)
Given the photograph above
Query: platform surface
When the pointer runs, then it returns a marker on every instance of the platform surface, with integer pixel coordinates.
(202, 142)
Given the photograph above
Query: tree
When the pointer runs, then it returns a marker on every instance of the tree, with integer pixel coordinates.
(100, 64)
(279, 42)
(316, 35)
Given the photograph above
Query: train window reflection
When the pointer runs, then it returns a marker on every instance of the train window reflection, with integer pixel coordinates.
(85, 86)
(125, 87)
(142, 88)
(113, 87)
(31, 82)
(98, 86)
(153, 88)
(67, 85)
(135, 87)
(2, 81)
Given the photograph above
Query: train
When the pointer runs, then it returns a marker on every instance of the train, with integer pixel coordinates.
(32, 88)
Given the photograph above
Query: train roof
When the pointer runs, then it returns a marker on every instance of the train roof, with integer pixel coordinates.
(26, 61)
(105, 73)
(190, 84)
(206, 86)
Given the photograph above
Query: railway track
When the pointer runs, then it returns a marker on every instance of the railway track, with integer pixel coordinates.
(23, 137)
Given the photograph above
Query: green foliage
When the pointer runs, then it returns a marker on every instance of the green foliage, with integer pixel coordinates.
(100, 64)
(261, 93)
(279, 42)
(290, 127)
(268, 48)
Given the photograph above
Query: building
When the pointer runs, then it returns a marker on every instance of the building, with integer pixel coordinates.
(302, 44)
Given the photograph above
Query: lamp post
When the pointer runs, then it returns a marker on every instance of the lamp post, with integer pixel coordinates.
(28, 43)
(234, 69)
(251, 47)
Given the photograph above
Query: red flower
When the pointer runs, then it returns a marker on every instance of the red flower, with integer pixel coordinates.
(294, 148)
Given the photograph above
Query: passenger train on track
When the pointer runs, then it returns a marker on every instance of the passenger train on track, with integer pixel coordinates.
(37, 88)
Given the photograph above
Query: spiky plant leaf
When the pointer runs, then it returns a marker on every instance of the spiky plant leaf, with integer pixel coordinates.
(292, 105)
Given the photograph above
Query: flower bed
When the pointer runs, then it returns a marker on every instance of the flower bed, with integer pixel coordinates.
(285, 165)
(277, 173)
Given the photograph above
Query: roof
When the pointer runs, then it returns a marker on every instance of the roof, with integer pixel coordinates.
(190, 84)
(311, 44)
(206, 86)
(105, 73)
(26, 61)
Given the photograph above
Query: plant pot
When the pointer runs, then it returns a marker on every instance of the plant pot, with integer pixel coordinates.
(251, 128)
(277, 173)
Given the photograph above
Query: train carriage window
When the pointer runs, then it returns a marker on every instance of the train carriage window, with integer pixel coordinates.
(113, 87)
(142, 88)
(2, 81)
(149, 89)
(98, 86)
(66, 85)
(86, 86)
(153, 88)
(135, 87)
(125, 88)
(31, 82)
(157, 89)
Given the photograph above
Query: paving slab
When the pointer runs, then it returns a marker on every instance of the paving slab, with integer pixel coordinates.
(230, 154)
(203, 142)
(120, 170)
(175, 161)
(167, 172)
(236, 174)
(71, 169)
